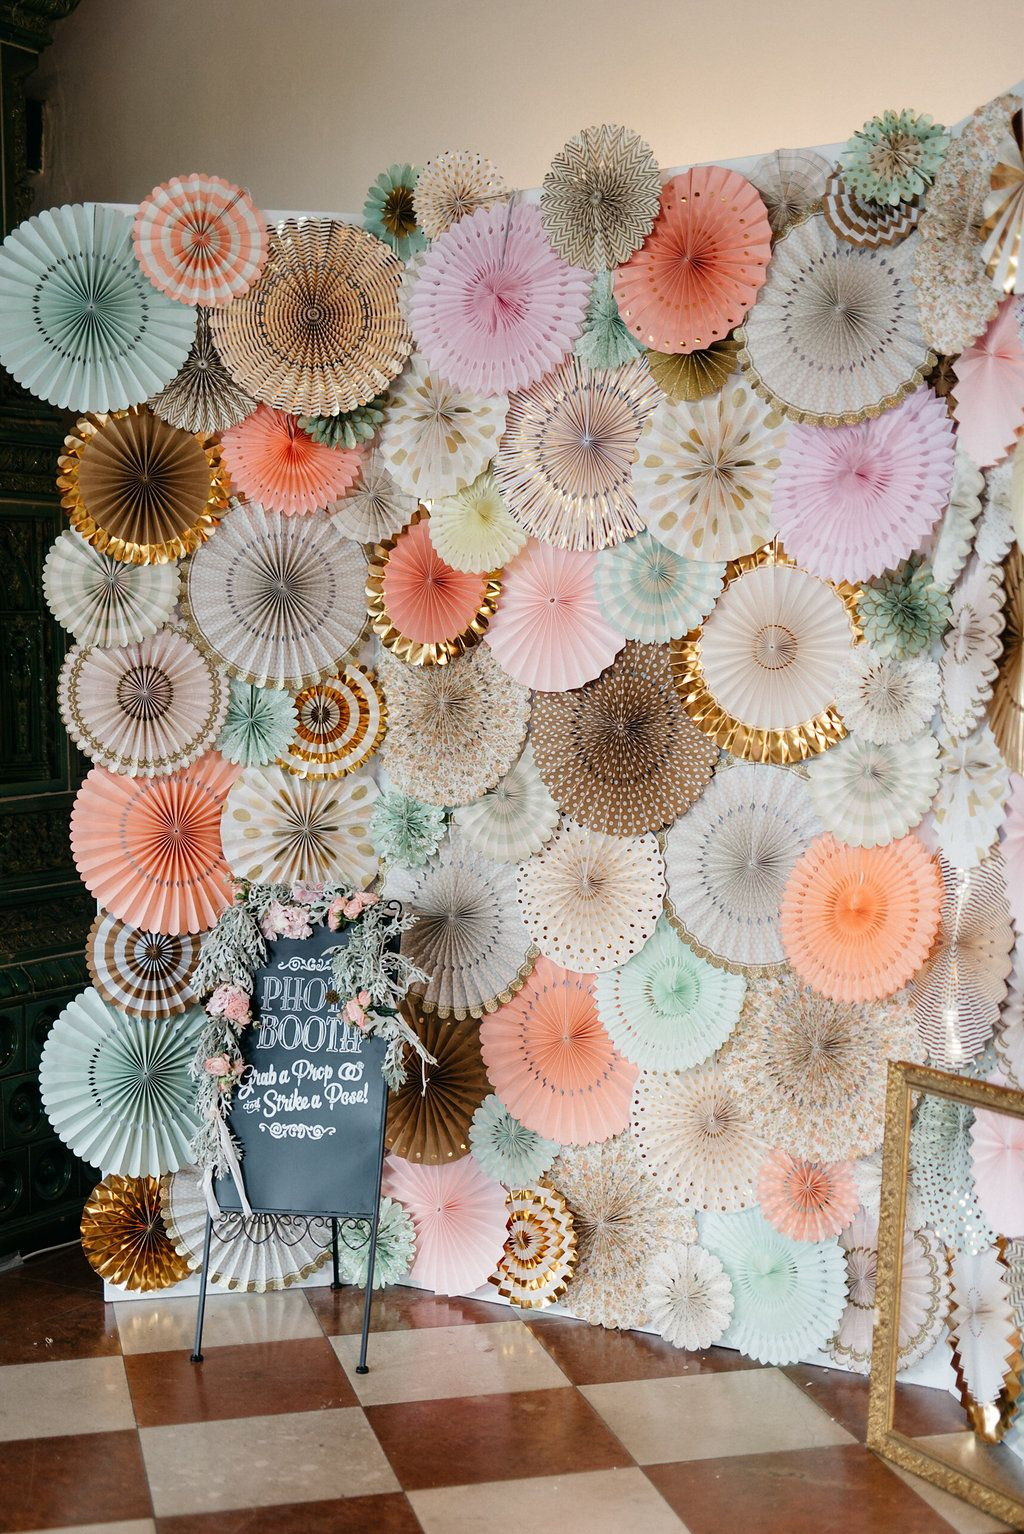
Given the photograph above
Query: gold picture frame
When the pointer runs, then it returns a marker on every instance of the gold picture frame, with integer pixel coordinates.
(904, 1083)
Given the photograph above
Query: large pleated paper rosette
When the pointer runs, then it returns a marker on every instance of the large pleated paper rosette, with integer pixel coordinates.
(200, 239)
(983, 1332)
(467, 934)
(338, 725)
(858, 922)
(540, 1250)
(249, 1254)
(454, 730)
(565, 461)
(437, 438)
(811, 1072)
(145, 709)
(147, 974)
(494, 308)
(549, 631)
(150, 851)
(123, 1237)
(421, 608)
(696, 1137)
(591, 901)
(202, 396)
(273, 461)
(922, 1303)
(117, 1089)
(620, 1218)
(102, 600)
(620, 755)
(806, 1200)
(852, 501)
(279, 601)
(139, 489)
(649, 593)
(760, 677)
(997, 1158)
(600, 196)
(728, 860)
(868, 795)
(281, 829)
(835, 337)
(320, 331)
(460, 1218)
(789, 1295)
(701, 266)
(552, 1063)
(82, 325)
(429, 1116)
(514, 819)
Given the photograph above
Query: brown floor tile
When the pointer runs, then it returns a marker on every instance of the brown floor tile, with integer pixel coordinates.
(68, 1267)
(85, 1478)
(250, 1381)
(802, 1491)
(844, 1396)
(396, 1310)
(387, 1514)
(46, 1321)
(589, 1355)
(919, 1411)
(472, 1439)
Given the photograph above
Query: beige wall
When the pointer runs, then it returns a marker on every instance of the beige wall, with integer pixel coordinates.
(304, 101)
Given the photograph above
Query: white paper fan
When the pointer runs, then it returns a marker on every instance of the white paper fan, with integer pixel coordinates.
(375, 508)
(729, 857)
(436, 439)
(951, 545)
(249, 1254)
(280, 829)
(982, 1324)
(970, 803)
(104, 601)
(696, 1138)
(885, 699)
(513, 819)
(971, 646)
(868, 795)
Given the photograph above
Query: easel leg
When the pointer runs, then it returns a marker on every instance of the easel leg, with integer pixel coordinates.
(361, 1366)
(197, 1351)
(336, 1280)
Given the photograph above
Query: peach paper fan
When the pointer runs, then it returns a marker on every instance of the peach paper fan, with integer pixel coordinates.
(272, 460)
(806, 1200)
(421, 608)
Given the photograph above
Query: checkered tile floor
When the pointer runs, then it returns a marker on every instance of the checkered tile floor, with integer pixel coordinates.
(470, 1413)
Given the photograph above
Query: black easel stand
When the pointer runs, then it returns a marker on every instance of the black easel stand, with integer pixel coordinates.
(196, 1356)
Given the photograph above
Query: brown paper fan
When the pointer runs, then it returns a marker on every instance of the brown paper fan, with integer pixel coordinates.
(203, 396)
(124, 1239)
(320, 331)
(694, 375)
(1006, 708)
(790, 181)
(870, 224)
(620, 754)
(146, 974)
(139, 489)
(600, 197)
(429, 1117)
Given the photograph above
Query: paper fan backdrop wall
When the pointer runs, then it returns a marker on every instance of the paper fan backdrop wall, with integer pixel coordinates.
(139, 489)
(466, 933)
(549, 631)
(117, 1089)
(857, 922)
(150, 849)
(460, 1218)
(728, 860)
(82, 326)
(591, 901)
(565, 461)
(700, 268)
(620, 755)
(704, 473)
(552, 1063)
(430, 1115)
(281, 829)
(454, 731)
(145, 710)
(760, 677)
(147, 974)
(102, 600)
(494, 308)
(852, 501)
(278, 601)
(835, 336)
(320, 331)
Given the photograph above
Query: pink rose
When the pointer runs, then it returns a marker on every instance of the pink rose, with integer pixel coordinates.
(363, 998)
(307, 894)
(232, 1002)
(295, 923)
(271, 922)
(353, 1013)
(217, 1065)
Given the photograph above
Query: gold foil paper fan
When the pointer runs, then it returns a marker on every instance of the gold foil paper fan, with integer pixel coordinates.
(123, 1235)
(429, 1116)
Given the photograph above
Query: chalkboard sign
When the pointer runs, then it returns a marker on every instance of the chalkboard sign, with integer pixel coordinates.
(308, 1112)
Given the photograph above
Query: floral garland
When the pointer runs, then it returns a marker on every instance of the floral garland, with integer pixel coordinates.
(370, 978)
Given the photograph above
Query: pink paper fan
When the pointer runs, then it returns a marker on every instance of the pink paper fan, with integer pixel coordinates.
(701, 266)
(200, 239)
(271, 460)
(494, 308)
(149, 849)
(989, 389)
(806, 1200)
(997, 1157)
(552, 1063)
(852, 501)
(549, 631)
(426, 600)
(1012, 848)
(460, 1219)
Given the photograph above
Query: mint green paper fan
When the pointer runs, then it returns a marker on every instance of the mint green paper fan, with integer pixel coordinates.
(788, 1296)
(649, 593)
(505, 1149)
(80, 324)
(258, 725)
(666, 1009)
(117, 1089)
(396, 1247)
(605, 341)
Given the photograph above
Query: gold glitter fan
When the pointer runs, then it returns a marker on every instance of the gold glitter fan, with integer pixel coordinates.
(123, 1235)
(694, 375)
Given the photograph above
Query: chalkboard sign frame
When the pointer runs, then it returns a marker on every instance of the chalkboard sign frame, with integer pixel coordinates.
(288, 961)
